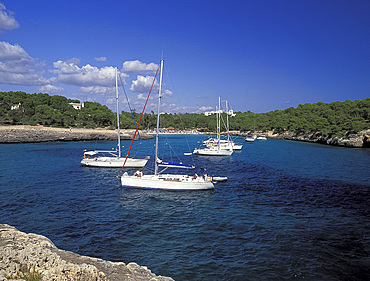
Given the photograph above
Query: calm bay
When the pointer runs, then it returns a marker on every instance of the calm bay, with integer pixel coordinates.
(289, 210)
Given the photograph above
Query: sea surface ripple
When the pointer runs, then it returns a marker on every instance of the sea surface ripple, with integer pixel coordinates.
(289, 210)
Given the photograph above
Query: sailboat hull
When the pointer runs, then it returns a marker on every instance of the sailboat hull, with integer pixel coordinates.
(167, 182)
(237, 146)
(113, 162)
(213, 152)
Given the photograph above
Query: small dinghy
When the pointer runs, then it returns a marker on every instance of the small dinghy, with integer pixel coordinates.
(219, 179)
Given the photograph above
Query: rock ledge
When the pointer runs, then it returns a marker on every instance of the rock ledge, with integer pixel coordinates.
(358, 140)
(19, 251)
(27, 134)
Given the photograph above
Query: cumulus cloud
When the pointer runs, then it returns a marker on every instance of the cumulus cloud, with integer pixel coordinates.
(86, 76)
(205, 108)
(139, 67)
(98, 90)
(7, 20)
(142, 84)
(9, 52)
(18, 68)
(101, 59)
(167, 93)
(51, 89)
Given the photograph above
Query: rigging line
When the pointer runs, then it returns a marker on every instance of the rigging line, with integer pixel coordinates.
(179, 115)
(128, 102)
(232, 120)
(223, 121)
(137, 127)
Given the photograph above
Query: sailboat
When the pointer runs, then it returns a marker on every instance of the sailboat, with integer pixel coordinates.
(112, 159)
(159, 180)
(229, 140)
(216, 147)
(250, 138)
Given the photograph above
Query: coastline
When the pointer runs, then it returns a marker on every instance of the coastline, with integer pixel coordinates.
(358, 140)
(23, 253)
(34, 134)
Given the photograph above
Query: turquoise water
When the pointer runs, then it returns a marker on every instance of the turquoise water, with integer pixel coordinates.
(289, 211)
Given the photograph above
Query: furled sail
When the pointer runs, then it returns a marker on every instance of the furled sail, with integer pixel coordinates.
(173, 165)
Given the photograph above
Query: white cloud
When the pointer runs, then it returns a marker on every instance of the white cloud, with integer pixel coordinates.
(98, 90)
(141, 97)
(51, 89)
(138, 66)
(86, 76)
(111, 102)
(74, 60)
(205, 108)
(13, 52)
(101, 59)
(142, 84)
(66, 68)
(18, 68)
(7, 20)
(167, 93)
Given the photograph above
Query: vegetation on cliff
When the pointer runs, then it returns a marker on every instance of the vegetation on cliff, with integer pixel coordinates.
(331, 119)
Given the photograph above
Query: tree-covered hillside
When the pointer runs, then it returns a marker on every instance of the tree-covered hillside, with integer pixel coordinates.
(330, 119)
(335, 118)
(52, 111)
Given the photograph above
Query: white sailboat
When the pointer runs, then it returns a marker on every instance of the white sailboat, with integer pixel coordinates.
(230, 141)
(262, 137)
(216, 147)
(249, 138)
(158, 180)
(224, 143)
(112, 159)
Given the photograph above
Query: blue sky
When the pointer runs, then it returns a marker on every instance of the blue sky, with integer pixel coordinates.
(259, 55)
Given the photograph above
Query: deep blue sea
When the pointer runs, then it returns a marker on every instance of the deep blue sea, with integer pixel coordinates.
(289, 210)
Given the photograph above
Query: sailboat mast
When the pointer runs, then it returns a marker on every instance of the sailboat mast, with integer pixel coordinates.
(118, 131)
(227, 121)
(159, 105)
(219, 123)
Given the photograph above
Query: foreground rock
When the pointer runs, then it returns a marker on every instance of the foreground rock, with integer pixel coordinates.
(27, 134)
(23, 255)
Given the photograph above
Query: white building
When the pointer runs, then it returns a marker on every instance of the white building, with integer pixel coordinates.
(15, 107)
(78, 105)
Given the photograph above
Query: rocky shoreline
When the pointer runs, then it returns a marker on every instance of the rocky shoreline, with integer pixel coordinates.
(24, 255)
(32, 134)
(358, 140)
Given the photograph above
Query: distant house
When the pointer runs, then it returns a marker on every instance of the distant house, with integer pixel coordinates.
(77, 105)
(208, 113)
(15, 106)
(230, 112)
